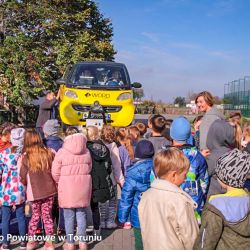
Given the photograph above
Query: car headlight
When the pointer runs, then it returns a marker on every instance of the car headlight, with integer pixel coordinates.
(70, 94)
(124, 96)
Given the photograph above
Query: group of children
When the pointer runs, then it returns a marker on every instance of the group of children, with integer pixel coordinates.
(163, 177)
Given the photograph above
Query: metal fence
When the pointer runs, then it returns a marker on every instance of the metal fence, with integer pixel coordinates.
(237, 95)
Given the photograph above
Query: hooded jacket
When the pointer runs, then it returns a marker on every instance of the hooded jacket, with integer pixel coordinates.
(71, 169)
(212, 115)
(197, 180)
(137, 181)
(102, 186)
(12, 191)
(225, 222)
(167, 218)
(220, 140)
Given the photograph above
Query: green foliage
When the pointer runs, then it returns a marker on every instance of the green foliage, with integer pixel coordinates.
(43, 37)
(138, 93)
(180, 100)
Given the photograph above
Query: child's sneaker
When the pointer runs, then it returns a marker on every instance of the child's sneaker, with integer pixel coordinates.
(83, 246)
(23, 245)
(69, 246)
(49, 245)
(127, 225)
(111, 225)
(97, 232)
(32, 245)
(5, 247)
(103, 224)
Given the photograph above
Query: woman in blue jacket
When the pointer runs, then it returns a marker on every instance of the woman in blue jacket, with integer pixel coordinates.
(137, 181)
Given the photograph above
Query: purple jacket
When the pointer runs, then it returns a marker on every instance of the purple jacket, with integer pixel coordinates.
(125, 160)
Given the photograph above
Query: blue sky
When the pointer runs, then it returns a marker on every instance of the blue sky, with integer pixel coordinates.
(174, 47)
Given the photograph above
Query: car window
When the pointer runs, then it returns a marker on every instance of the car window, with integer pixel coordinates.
(99, 75)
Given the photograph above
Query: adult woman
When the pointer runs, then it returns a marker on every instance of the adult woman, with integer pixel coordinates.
(205, 103)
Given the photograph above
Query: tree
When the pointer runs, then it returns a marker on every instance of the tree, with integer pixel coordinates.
(180, 100)
(138, 93)
(42, 37)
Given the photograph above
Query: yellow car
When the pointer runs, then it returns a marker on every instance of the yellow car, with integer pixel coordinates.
(92, 91)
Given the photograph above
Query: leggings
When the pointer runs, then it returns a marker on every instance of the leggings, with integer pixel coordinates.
(42, 208)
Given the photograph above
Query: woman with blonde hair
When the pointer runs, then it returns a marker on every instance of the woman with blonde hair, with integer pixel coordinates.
(35, 173)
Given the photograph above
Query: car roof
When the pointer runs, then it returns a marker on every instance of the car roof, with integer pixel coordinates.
(101, 63)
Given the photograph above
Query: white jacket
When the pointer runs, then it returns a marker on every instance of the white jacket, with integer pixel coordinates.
(167, 218)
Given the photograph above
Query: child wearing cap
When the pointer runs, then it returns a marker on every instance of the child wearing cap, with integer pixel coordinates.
(166, 212)
(225, 219)
(50, 130)
(197, 180)
(12, 191)
(137, 181)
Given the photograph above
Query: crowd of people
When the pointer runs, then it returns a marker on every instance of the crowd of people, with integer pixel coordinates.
(183, 185)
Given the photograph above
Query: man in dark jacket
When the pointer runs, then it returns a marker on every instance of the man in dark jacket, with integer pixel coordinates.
(47, 110)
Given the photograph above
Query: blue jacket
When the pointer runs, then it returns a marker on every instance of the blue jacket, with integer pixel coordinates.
(53, 142)
(137, 181)
(197, 180)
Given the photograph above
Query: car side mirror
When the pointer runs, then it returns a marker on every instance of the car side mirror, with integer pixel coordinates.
(61, 81)
(136, 85)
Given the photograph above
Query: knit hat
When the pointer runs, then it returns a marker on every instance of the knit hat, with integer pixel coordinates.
(180, 129)
(233, 167)
(144, 149)
(51, 127)
(17, 136)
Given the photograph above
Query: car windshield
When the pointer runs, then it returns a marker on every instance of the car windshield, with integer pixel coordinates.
(96, 75)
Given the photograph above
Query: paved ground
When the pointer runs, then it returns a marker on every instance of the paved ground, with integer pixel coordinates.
(119, 239)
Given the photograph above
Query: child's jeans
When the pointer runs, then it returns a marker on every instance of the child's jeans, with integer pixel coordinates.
(108, 210)
(42, 208)
(6, 214)
(81, 219)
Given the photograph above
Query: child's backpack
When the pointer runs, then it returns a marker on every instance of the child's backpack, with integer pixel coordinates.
(102, 186)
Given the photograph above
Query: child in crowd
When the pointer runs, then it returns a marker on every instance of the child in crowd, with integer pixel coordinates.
(225, 219)
(5, 130)
(123, 138)
(246, 147)
(108, 209)
(12, 191)
(196, 123)
(102, 186)
(197, 181)
(53, 141)
(71, 169)
(142, 128)
(158, 126)
(134, 134)
(50, 130)
(166, 212)
(71, 131)
(137, 181)
(123, 152)
(35, 173)
(149, 129)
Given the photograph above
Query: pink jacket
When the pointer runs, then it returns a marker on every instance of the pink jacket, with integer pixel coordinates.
(71, 170)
